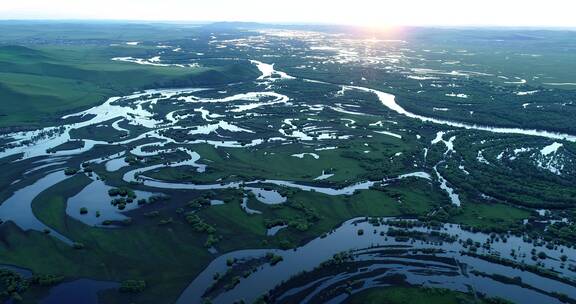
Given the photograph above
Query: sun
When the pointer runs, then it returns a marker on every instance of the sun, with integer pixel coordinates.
(383, 31)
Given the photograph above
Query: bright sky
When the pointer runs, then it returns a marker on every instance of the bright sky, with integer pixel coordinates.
(356, 12)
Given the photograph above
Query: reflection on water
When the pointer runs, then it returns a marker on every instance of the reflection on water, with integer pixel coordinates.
(272, 231)
(412, 265)
(96, 200)
(23, 272)
(83, 291)
(18, 208)
(389, 101)
(138, 110)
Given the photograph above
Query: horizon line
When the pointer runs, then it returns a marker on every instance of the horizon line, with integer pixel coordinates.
(281, 23)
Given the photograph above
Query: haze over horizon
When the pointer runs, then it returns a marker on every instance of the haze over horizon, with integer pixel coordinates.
(552, 13)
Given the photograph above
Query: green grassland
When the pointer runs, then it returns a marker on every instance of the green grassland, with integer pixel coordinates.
(507, 181)
(488, 216)
(491, 99)
(413, 295)
(29, 31)
(145, 250)
(348, 163)
(41, 83)
(135, 251)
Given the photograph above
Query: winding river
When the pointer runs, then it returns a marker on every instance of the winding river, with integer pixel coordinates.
(418, 270)
(33, 144)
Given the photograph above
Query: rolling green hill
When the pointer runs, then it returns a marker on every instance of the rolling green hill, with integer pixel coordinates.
(37, 86)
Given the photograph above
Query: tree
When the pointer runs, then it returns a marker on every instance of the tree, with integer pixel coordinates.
(542, 255)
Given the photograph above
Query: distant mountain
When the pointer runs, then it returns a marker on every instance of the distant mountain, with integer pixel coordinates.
(296, 27)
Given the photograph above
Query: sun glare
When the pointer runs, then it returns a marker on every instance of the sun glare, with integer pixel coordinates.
(377, 32)
(369, 13)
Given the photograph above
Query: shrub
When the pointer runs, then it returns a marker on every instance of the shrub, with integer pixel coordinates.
(198, 224)
(46, 279)
(78, 245)
(70, 171)
(273, 258)
(132, 286)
